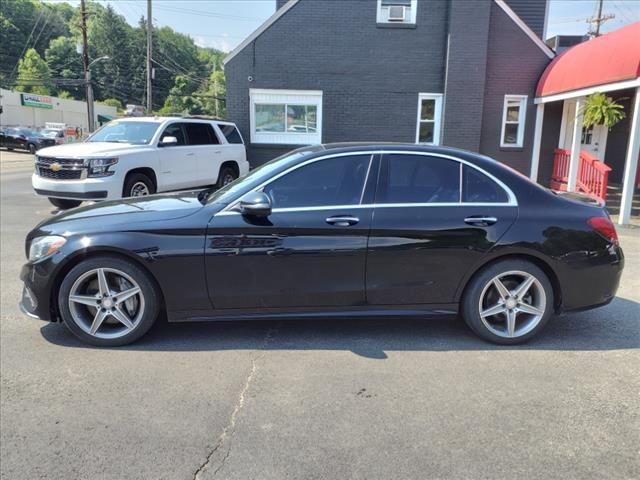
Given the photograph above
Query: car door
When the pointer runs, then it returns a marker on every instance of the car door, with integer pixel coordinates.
(309, 253)
(206, 146)
(178, 162)
(427, 231)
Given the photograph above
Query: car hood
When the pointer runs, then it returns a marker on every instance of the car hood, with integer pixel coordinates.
(90, 149)
(121, 215)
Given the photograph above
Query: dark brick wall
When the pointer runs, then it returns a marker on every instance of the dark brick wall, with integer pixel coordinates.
(532, 12)
(513, 67)
(370, 77)
(464, 95)
(550, 137)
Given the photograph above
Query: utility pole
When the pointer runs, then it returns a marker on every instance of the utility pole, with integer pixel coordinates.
(598, 20)
(85, 63)
(149, 61)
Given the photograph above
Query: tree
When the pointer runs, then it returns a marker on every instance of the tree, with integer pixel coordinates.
(33, 74)
(600, 109)
(65, 62)
(112, 102)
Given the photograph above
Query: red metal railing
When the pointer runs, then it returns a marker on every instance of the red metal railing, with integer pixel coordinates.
(593, 175)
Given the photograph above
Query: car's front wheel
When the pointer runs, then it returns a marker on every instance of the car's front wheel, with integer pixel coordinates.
(138, 185)
(64, 204)
(226, 176)
(108, 301)
(32, 148)
(508, 302)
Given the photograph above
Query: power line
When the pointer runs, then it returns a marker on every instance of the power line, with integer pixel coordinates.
(598, 20)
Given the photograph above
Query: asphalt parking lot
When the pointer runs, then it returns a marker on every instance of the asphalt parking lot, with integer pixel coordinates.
(314, 399)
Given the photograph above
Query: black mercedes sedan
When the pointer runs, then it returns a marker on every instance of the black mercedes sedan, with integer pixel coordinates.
(347, 230)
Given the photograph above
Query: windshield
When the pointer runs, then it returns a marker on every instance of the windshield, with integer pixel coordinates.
(117, 131)
(253, 178)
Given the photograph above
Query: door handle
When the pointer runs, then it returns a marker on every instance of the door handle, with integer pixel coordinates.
(342, 220)
(217, 151)
(480, 220)
(190, 154)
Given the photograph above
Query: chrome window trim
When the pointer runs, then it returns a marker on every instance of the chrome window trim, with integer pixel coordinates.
(512, 202)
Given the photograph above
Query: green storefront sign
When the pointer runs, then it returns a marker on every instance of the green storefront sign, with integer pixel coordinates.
(33, 100)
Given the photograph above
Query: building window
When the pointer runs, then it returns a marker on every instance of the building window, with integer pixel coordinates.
(288, 117)
(397, 11)
(429, 118)
(513, 115)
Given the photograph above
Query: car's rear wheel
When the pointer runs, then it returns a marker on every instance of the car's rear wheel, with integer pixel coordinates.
(108, 301)
(138, 185)
(508, 302)
(64, 204)
(227, 175)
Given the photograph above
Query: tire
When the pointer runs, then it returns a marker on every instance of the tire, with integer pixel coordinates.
(64, 204)
(32, 148)
(9, 149)
(111, 331)
(138, 185)
(227, 175)
(483, 295)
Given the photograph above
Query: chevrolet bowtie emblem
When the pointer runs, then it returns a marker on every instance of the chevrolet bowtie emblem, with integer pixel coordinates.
(55, 167)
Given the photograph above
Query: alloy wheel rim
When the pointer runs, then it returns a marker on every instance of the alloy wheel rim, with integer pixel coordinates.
(106, 303)
(227, 179)
(139, 189)
(512, 304)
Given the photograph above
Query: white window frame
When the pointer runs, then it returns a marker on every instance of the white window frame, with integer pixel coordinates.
(437, 117)
(522, 116)
(285, 97)
(381, 17)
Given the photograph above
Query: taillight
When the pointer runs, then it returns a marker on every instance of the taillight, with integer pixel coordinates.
(604, 226)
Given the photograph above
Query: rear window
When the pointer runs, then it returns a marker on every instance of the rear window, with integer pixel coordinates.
(478, 188)
(200, 134)
(231, 133)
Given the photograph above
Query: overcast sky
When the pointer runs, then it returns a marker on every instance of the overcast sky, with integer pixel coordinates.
(223, 24)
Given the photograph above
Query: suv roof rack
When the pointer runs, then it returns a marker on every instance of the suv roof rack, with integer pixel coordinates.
(203, 117)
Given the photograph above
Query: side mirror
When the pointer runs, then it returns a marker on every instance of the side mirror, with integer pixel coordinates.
(256, 204)
(168, 141)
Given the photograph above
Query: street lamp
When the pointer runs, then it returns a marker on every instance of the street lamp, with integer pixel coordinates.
(87, 79)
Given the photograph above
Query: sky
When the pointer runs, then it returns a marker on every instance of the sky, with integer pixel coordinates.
(223, 24)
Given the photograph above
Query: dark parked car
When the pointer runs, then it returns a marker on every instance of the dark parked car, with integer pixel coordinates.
(24, 139)
(330, 231)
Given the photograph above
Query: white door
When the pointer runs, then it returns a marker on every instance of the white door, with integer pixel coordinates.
(594, 140)
(206, 145)
(178, 162)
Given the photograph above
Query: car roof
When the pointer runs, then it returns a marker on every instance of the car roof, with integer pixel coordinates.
(162, 119)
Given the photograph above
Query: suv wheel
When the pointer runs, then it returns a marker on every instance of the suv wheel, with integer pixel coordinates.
(508, 302)
(227, 175)
(63, 204)
(108, 301)
(138, 185)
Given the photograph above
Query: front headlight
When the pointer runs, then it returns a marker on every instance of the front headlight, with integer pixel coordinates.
(99, 167)
(44, 246)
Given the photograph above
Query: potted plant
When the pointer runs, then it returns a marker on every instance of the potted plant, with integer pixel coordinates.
(599, 109)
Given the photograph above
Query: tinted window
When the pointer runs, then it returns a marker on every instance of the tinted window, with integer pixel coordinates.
(175, 130)
(200, 134)
(419, 179)
(335, 181)
(231, 133)
(478, 188)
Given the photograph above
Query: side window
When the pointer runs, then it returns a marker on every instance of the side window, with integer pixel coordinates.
(174, 130)
(408, 178)
(334, 181)
(200, 134)
(478, 188)
(231, 133)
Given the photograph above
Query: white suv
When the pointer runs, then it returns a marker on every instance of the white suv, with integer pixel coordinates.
(140, 156)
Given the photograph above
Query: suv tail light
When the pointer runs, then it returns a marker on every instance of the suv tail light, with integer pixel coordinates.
(604, 226)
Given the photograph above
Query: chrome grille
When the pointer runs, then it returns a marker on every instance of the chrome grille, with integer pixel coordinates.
(67, 168)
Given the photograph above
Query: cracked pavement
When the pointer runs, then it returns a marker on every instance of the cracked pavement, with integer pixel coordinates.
(314, 399)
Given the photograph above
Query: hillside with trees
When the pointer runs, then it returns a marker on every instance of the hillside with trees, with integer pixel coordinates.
(39, 54)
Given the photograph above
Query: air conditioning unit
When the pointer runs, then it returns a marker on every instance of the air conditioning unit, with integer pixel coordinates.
(397, 13)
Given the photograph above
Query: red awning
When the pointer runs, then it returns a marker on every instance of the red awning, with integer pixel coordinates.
(611, 58)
